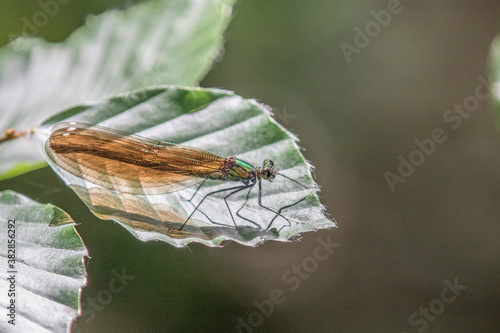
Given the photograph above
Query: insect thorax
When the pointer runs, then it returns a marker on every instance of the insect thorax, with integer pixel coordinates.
(239, 170)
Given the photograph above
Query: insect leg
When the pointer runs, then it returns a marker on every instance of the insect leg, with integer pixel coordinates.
(239, 210)
(235, 188)
(269, 209)
(203, 182)
(235, 191)
(282, 208)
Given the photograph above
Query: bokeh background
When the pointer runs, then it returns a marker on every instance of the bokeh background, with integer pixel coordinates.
(395, 249)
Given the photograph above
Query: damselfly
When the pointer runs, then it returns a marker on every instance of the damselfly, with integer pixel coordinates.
(133, 164)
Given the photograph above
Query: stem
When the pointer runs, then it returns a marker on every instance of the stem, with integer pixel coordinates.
(12, 134)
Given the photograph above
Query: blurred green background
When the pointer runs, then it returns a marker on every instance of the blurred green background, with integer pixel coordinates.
(354, 121)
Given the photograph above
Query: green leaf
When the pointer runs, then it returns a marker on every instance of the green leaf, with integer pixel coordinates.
(495, 68)
(156, 42)
(21, 168)
(48, 271)
(214, 120)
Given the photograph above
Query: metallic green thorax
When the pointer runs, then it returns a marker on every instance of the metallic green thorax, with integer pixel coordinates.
(239, 170)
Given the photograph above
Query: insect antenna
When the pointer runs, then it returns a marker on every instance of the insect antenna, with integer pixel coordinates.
(293, 180)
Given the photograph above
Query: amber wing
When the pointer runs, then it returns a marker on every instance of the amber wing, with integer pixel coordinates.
(129, 163)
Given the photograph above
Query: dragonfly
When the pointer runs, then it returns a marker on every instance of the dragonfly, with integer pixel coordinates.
(129, 163)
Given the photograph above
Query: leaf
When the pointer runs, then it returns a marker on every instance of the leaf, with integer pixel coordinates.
(214, 120)
(495, 68)
(21, 168)
(156, 42)
(48, 270)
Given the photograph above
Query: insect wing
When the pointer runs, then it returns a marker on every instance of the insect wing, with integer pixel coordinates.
(129, 163)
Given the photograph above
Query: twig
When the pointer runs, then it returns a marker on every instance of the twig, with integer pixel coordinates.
(12, 134)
